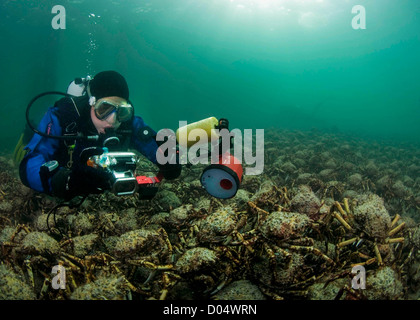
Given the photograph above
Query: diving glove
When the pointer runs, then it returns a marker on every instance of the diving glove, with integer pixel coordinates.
(170, 171)
(81, 179)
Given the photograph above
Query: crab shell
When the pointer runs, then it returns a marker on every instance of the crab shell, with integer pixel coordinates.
(285, 225)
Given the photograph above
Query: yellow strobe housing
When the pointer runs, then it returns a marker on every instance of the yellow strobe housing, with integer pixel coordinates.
(207, 125)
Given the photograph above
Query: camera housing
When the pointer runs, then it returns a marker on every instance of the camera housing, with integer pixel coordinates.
(123, 167)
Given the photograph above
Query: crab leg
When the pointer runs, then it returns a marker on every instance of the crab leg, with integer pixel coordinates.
(396, 229)
(368, 262)
(346, 205)
(314, 251)
(395, 240)
(397, 217)
(30, 272)
(340, 208)
(342, 221)
(167, 241)
(378, 254)
(150, 265)
(347, 242)
(246, 243)
(363, 256)
(46, 284)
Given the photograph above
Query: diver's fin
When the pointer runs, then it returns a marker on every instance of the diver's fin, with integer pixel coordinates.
(20, 152)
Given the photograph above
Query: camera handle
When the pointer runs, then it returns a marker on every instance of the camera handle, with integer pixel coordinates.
(147, 187)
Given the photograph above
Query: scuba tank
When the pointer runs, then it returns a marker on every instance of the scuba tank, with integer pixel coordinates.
(76, 88)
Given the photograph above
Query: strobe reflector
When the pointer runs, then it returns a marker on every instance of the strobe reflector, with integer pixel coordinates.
(222, 179)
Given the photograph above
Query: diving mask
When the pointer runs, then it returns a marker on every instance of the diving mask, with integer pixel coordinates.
(106, 106)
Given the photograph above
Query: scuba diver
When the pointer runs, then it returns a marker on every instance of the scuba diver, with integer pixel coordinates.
(95, 113)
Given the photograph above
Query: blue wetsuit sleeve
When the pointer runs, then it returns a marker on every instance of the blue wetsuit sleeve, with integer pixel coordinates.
(40, 150)
(144, 143)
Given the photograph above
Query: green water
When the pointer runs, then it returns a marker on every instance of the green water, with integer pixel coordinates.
(295, 64)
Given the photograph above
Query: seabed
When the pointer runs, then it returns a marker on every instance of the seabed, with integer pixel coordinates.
(325, 206)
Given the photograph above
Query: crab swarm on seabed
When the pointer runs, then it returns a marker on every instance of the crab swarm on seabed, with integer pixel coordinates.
(323, 205)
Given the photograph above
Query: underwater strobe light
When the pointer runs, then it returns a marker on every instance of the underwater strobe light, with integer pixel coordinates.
(222, 179)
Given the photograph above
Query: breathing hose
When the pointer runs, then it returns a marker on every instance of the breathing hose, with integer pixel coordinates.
(43, 134)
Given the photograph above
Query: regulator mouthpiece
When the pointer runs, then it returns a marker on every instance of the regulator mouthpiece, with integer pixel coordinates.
(110, 139)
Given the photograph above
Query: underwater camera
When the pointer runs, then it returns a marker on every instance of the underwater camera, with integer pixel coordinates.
(122, 165)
